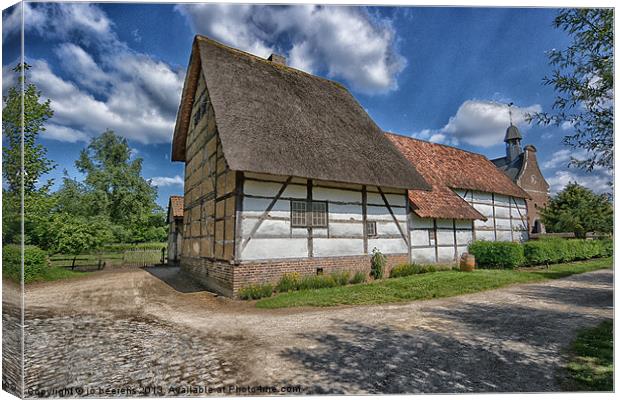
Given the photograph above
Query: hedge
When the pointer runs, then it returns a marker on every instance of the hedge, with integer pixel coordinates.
(35, 262)
(497, 254)
(538, 252)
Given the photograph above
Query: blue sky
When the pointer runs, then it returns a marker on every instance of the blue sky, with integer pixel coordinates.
(440, 74)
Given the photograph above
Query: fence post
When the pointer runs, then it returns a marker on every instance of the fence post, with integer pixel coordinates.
(73, 263)
(163, 255)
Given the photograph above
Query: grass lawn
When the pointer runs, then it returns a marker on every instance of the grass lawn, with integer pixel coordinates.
(54, 273)
(591, 366)
(427, 286)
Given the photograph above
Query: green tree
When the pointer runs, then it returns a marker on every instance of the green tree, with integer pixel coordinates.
(583, 79)
(37, 200)
(76, 234)
(113, 188)
(579, 210)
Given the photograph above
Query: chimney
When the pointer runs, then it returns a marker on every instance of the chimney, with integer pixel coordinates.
(277, 59)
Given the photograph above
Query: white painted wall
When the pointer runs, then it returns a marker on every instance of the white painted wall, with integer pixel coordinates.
(275, 238)
(506, 221)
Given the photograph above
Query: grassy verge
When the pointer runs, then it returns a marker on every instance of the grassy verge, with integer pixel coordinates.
(55, 273)
(591, 367)
(427, 286)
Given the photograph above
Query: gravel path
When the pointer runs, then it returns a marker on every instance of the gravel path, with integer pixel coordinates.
(131, 329)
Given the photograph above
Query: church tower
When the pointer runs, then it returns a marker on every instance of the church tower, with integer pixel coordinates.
(512, 139)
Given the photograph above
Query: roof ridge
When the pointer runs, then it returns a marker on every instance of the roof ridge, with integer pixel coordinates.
(437, 144)
(285, 67)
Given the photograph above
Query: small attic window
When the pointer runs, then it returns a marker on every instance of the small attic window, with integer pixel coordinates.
(201, 110)
(371, 228)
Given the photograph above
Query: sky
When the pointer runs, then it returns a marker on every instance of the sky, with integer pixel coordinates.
(438, 74)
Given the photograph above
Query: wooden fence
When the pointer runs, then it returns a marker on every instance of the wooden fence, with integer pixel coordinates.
(137, 257)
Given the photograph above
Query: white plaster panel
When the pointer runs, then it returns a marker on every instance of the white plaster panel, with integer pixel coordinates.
(486, 224)
(523, 236)
(485, 235)
(388, 245)
(502, 223)
(389, 228)
(392, 199)
(345, 211)
(444, 223)
(519, 225)
(255, 207)
(445, 237)
(445, 254)
(423, 255)
(299, 232)
(320, 232)
(520, 202)
(337, 247)
(343, 229)
(417, 222)
(460, 192)
(268, 227)
(502, 212)
(463, 237)
(348, 196)
(382, 213)
(462, 224)
(485, 210)
(514, 212)
(295, 191)
(483, 197)
(504, 236)
(258, 249)
(419, 238)
(502, 200)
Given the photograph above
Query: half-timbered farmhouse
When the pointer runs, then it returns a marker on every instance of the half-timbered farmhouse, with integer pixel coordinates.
(286, 172)
(470, 200)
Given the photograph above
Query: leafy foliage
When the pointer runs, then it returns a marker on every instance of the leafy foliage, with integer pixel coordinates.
(253, 292)
(35, 262)
(583, 79)
(76, 234)
(358, 277)
(288, 282)
(412, 269)
(377, 264)
(556, 250)
(113, 192)
(37, 202)
(497, 254)
(579, 210)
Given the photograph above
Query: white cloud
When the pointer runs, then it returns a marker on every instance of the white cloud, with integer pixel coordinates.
(567, 125)
(562, 158)
(167, 181)
(480, 123)
(597, 182)
(105, 84)
(63, 134)
(346, 42)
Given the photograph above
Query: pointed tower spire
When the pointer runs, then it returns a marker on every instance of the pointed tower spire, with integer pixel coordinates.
(513, 138)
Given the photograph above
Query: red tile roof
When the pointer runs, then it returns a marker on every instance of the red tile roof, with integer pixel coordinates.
(176, 203)
(447, 168)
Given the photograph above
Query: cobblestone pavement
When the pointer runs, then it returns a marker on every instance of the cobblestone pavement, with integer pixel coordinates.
(131, 329)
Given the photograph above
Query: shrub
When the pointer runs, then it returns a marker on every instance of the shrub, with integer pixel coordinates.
(377, 264)
(35, 262)
(341, 278)
(405, 270)
(254, 292)
(555, 250)
(288, 282)
(497, 254)
(359, 277)
(316, 282)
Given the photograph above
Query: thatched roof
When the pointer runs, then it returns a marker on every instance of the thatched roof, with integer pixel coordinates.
(278, 120)
(447, 168)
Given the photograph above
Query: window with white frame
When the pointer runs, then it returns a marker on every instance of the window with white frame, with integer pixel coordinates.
(371, 228)
(308, 214)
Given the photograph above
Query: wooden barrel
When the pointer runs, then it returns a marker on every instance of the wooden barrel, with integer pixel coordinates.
(468, 262)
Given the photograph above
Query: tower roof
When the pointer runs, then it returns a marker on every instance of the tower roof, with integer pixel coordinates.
(512, 133)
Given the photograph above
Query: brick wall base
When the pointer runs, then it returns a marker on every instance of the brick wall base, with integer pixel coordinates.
(228, 279)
